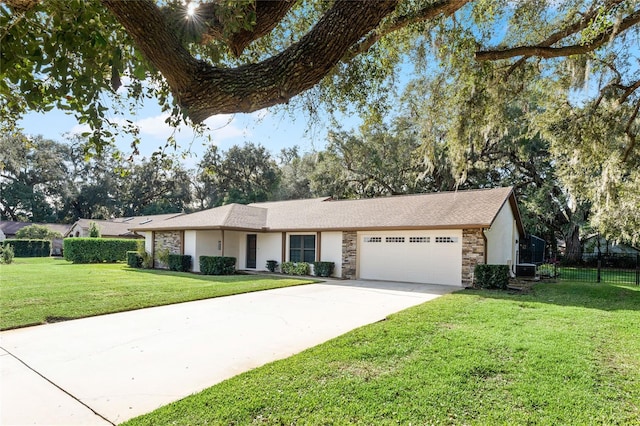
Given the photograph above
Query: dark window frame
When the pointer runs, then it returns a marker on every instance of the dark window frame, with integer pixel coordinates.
(302, 248)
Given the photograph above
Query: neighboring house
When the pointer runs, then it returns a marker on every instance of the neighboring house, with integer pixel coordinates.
(596, 242)
(2, 236)
(427, 238)
(10, 228)
(115, 228)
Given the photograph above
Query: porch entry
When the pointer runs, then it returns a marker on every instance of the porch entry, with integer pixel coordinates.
(251, 250)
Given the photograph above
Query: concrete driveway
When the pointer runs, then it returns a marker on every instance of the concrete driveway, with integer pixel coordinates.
(107, 369)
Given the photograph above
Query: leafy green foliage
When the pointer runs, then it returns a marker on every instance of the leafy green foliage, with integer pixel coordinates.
(217, 265)
(37, 232)
(323, 269)
(272, 265)
(7, 254)
(134, 259)
(94, 231)
(162, 255)
(491, 276)
(29, 248)
(98, 250)
(35, 179)
(179, 262)
(51, 181)
(295, 268)
(244, 175)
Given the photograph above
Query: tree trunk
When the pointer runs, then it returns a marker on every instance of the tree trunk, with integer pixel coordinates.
(573, 251)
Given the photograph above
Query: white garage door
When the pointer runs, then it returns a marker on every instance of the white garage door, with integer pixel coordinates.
(411, 256)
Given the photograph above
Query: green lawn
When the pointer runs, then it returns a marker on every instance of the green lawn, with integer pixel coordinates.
(39, 290)
(566, 353)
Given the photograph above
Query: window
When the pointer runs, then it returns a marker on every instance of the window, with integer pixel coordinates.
(302, 248)
(419, 239)
(446, 239)
(394, 239)
(372, 239)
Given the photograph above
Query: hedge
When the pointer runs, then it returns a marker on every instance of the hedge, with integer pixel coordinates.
(323, 269)
(492, 276)
(295, 268)
(180, 262)
(98, 250)
(134, 259)
(272, 265)
(217, 265)
(29, 248)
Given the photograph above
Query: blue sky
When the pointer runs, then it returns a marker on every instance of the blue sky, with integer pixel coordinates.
(273, 129)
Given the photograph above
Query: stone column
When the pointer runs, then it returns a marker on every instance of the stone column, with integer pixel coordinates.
(473, 251)
(166, 240)
(349, 245)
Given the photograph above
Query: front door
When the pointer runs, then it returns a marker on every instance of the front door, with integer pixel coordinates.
(251, 250)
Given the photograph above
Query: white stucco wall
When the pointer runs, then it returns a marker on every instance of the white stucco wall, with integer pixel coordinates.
(148, 242)
(201, 243)
(331, 250)
(501, 238)
(190, 249)
(232, 245)
(269, 248)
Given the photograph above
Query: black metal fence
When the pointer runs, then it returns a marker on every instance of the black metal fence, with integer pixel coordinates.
(594, 267)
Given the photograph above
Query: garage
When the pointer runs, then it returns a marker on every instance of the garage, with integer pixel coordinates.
(433, 257)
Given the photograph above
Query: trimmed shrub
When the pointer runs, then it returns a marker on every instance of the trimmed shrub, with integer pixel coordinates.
(94, 231)
(272, 265)
(492, 276)
(37, 232)
(180, 262)
(323, 269)
(134, 259)
(29, 248)
(217, 265)
(295, 268)
(98, 250)
(7, 254)
(147, 259)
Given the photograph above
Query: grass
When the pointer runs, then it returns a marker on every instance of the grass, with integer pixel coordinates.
(565, 353)
(40, 290)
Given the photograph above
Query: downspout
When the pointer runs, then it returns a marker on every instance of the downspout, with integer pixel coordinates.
(222, 238)
(284, 247)
(486, 244)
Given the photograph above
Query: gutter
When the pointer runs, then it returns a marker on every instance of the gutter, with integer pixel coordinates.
(486, 245)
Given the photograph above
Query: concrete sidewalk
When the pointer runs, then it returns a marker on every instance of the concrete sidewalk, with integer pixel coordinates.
(107, 369)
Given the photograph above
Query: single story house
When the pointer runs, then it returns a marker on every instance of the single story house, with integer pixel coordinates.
(114, 228)
(594, 243)
(426, 238)
(10, 228)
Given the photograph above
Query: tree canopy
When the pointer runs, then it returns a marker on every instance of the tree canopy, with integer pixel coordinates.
(568, 72)
(201, 58)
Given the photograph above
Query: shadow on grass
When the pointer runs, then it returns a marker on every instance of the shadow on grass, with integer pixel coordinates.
(220, 278)
(606, 297)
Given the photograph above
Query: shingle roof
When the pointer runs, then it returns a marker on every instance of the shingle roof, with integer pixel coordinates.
(119, 227)
(459, 209)
(10, 227)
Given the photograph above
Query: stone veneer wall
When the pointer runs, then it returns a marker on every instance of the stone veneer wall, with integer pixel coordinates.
(473, 249)
(171, 240)
(349, 245)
